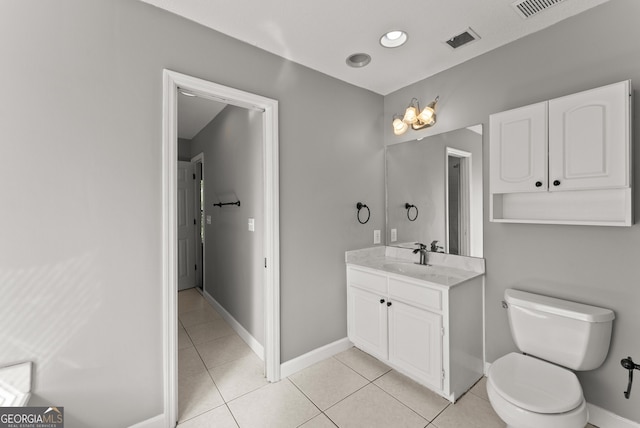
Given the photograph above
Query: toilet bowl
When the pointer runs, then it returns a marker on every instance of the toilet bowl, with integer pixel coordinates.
(536, 389)
(529, 393)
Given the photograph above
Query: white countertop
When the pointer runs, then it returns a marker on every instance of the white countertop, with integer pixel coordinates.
(443, 269)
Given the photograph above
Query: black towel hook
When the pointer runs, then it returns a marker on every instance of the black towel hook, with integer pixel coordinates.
(360, 206)
(408, 207)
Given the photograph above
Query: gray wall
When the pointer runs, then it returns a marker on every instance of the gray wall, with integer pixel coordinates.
(184, 149)
(596, 265)
(234, 258)
(80, 236)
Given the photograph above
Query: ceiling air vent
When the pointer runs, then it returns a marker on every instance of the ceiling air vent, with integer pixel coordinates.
(528, 8)
(462, 39)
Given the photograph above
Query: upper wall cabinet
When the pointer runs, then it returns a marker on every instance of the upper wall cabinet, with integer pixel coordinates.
(564, 161)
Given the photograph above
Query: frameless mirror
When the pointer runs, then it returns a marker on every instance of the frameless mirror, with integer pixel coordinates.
(434, 192)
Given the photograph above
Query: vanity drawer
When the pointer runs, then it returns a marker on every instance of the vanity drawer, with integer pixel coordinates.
(415, 294)
(367, 280)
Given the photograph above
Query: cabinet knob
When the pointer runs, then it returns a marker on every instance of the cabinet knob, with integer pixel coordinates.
(556, 182)
(538, 183)
(388, 303)
(381, 300)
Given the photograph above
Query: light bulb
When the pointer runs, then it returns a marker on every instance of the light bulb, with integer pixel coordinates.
(410, 115)
(399, 127)
(426, 115)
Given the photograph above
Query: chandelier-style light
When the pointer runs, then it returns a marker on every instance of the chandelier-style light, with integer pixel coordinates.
(415, 117)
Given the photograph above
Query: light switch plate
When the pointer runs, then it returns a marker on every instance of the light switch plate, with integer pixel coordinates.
(394, 235)
(208, 219)
(252, 225)
(376, 236)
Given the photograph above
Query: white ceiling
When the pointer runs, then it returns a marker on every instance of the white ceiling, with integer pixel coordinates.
(194, 113)
(322, 34)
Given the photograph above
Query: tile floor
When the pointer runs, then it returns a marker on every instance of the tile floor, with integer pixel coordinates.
(221, 384)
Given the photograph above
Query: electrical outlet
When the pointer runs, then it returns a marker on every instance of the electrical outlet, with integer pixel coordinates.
(394, 235)
(252, 225)
(208, 219)
(376, 236)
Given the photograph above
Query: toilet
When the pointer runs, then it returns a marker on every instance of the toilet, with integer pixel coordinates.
(538, 387)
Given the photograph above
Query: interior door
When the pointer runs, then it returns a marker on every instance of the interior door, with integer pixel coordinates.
(186, 227)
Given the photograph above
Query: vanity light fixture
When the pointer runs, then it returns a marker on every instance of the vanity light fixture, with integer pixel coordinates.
(415, 117)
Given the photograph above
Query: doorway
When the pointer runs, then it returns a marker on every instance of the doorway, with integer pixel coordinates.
(457, 195)
(172, 82)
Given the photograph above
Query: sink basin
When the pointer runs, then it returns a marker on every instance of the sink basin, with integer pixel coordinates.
(438, 274)
(407, 268)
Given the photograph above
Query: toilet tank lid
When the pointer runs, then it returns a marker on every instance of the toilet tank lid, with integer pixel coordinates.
(560, 307)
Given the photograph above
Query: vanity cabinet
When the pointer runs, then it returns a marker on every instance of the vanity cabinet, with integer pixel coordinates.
(429, 332)
(565, 161)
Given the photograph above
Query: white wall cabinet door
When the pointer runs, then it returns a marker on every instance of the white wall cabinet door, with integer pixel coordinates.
(518, 155)
(368, 321)
(589, 139)
(415, 342)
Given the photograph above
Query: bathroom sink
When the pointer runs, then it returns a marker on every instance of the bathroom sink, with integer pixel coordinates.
(409, 268)
(436, 274)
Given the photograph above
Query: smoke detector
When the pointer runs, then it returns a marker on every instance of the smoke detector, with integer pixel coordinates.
(528, 8)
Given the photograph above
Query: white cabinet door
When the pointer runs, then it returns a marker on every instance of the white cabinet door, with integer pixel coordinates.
(518, 150)
(368, 321)
(589, 139)
(415, 342)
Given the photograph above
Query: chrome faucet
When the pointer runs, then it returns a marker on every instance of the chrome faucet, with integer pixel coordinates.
(435, 247)
(422, 249)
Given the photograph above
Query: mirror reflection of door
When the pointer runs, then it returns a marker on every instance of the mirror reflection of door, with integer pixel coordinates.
(457, 202)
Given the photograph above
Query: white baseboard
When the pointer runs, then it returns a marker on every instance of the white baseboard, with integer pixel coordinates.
(255, 346)
(597, 415)
(155, 422)
(605, 419)
(310, 358)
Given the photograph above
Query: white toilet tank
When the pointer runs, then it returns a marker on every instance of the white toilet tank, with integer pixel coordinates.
(573, 335)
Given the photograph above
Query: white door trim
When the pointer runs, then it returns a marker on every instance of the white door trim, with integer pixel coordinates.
(171, 82)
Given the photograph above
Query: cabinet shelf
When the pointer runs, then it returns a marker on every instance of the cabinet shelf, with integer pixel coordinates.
(607, 207)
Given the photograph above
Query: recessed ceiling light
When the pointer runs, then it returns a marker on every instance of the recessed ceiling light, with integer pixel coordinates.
(358, 60)
(393, 39)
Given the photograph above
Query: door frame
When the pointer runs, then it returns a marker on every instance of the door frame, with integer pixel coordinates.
(465, 199)
(172, 81)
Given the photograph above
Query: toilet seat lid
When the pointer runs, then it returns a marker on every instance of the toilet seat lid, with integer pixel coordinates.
(535, 385)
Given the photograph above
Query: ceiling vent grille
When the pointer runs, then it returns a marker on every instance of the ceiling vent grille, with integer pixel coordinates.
(528, 8)
(463, 38)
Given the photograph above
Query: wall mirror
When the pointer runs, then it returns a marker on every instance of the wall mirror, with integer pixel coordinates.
(434, 192)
